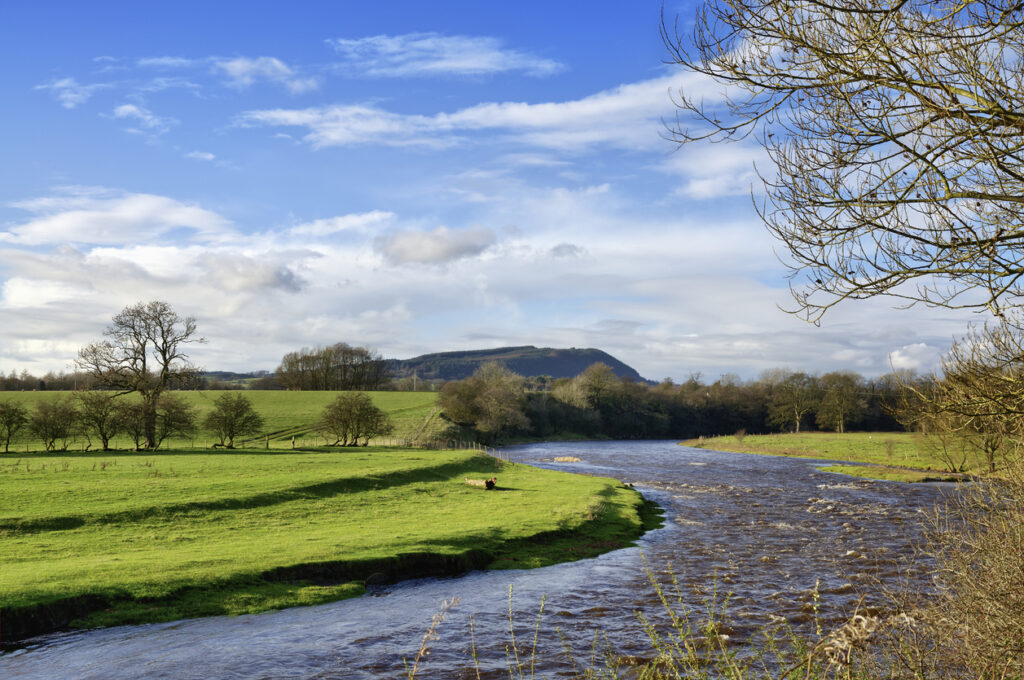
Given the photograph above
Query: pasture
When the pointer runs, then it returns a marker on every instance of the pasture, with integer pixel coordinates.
(886, 455)
(285, 415)
(107, 538)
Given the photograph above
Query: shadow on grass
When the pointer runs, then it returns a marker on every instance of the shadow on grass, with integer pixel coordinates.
(321, 582)
(320, 490)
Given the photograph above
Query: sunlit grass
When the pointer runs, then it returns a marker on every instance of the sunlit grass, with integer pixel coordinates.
(182, 533)
(884, 453)
(285, 415)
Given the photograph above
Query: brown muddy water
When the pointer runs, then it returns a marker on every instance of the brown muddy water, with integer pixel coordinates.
(766, 530)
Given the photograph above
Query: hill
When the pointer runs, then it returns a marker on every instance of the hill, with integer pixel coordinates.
(526, 361)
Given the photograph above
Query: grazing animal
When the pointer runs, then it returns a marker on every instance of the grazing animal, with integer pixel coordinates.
(488, 484)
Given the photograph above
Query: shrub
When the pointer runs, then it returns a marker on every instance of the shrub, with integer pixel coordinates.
(232, 416)
(54, 422)
(352, 417)
(12, 418)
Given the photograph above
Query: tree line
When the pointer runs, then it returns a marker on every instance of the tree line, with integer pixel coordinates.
(496, 403)
(97, 417)
(144, 354)
(335, 367)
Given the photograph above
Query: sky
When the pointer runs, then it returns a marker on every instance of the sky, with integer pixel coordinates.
(411, 177)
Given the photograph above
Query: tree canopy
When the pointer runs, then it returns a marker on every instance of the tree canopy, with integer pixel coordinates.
(895, 131)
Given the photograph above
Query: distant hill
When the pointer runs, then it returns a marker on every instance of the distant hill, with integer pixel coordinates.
(526, 361)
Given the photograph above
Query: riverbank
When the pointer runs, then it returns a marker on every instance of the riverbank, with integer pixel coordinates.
(892, 456)
(101, 539)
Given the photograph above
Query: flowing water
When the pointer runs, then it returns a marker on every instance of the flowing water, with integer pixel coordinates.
(770, 531)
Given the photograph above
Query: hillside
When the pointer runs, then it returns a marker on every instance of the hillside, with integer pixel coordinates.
(527, 361)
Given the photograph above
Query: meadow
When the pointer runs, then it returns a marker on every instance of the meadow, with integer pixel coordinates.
(285, 415)
(95, 539)
(894, 456)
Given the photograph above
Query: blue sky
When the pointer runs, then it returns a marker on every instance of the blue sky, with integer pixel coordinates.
(414, 177)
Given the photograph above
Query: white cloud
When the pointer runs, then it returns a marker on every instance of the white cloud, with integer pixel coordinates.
(201, 156)
(717, 170)
(918, 356)
(107, 217)
(234, 272)
(668, 295)
(245, 71)
(625, 117)
(70, 93)
(24, 293)
(434, 247)
(353, 124)
(354, 222)
(166, 62)
(426, 54)
(149, 121)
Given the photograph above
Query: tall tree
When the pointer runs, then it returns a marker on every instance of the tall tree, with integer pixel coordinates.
(491, 400)
(791, 397)
(335, 367)
(144, 353)
(842, 401)
(894, 130)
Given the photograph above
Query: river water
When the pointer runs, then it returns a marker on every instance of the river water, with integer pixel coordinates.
(770, 532)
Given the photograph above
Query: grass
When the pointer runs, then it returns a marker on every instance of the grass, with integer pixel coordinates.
(285, 415)
(894, 456)
(891, 474)
(130, 538)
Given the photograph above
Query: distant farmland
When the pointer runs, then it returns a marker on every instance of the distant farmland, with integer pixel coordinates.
(285, 415)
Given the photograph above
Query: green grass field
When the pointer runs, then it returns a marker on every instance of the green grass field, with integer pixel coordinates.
(886, 454)
(285, 415)
(124, 537)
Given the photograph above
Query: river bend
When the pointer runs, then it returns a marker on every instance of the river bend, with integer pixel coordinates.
(767, 530)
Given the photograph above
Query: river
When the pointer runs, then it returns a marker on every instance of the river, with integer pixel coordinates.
(769, 531)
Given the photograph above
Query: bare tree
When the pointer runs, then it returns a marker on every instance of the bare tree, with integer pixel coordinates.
(981, 394)
(335, 367)
(491, 401)
(841, 400)
(232, 416)
(896, 132)
(792, 396)
(12, 417)
(97, 415)
(144, 353)
(174, 418)
(54, 421)
(351, 417)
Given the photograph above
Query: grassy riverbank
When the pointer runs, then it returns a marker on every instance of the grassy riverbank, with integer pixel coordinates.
(96, 539)
(894, 456)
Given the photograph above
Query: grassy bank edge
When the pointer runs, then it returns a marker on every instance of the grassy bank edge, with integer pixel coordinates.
(323, 582)
(873, 463)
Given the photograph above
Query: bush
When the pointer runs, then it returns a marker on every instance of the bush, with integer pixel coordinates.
(98, 415)
(54, 422)
(12, 418)
(352, 417)
(173, 418)
(232, 416)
